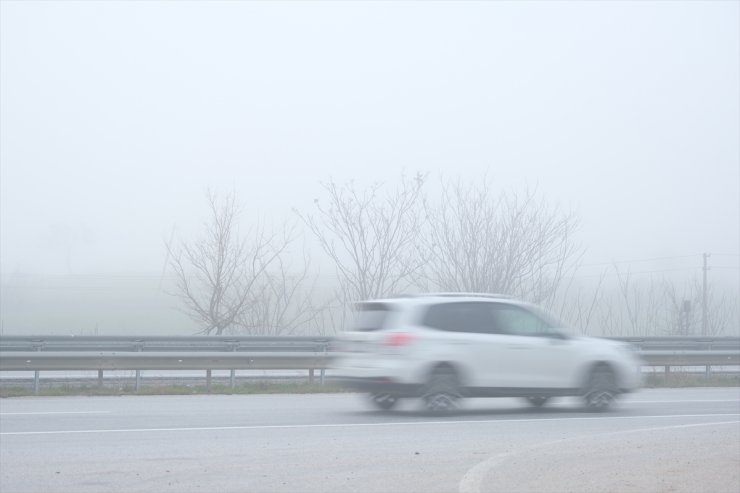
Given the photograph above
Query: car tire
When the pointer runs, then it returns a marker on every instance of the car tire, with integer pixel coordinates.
(384, 401)
(537, 400)
(601, 389)
(442, 392)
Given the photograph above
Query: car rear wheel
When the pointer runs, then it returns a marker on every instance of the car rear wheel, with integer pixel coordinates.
(537, 400)
(442, 392)
(601, 389)
(384, 401)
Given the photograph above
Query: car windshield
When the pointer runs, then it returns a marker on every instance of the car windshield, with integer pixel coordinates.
(549, 318)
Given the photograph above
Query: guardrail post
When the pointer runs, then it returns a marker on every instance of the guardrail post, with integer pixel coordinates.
(208, 379)
(137, 386)
(310, 375)
(36, 375)
(100, 378)
(323, 370)
(667, 370)
(232, 376)
(708, 371)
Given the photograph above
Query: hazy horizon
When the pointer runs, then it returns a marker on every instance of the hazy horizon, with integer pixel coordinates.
(116, 117)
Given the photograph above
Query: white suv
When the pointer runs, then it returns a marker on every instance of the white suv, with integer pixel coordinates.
(445, 346)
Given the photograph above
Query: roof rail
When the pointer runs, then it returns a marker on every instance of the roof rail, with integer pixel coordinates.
(468, 295)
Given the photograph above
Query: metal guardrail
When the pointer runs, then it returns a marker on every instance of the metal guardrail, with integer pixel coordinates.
(162, 343)
(676, 343)
(160, 360)
(690, 358)
(268, 343)
(686, 351)
(105, 353)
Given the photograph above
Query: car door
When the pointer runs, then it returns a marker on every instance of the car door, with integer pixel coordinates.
(533, 353)
(466, 337)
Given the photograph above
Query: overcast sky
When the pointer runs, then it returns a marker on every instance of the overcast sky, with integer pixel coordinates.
(116, 116)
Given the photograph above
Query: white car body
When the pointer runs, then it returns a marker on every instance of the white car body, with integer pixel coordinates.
(533, 357)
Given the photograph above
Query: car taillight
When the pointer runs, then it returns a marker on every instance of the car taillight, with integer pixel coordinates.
(398, 339)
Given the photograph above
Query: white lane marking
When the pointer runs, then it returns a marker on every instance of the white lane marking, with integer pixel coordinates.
(680, 402)
(357, 425)
(54, 412)
(472, 480)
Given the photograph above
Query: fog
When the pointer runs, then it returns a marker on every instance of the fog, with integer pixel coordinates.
(117, 117)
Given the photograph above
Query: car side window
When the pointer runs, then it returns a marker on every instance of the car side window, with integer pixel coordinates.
(460, 317)
(514, 320)
(441, 317)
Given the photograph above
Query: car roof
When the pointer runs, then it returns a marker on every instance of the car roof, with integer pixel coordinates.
(441, 297)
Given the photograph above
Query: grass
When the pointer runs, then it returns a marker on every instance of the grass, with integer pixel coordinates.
(679, 380)
(242, 388)
(656, 380)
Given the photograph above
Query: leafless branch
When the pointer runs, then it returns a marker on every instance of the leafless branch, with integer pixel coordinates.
(507, 243)
(370, 236)
(217, 275)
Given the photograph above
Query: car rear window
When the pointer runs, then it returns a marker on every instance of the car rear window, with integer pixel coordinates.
(371, 316)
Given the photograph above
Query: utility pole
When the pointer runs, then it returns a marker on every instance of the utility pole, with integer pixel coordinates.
(704, 269)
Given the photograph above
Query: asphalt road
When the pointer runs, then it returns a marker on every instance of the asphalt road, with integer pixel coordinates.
(672, 440)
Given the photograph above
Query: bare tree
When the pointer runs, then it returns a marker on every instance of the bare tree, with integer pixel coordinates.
(642, 305)
(216, 275)
(580, 306)
(509, 243)
(370, 236)
(330, 318)
(656, 307)
(283, 304)
(684, 310)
